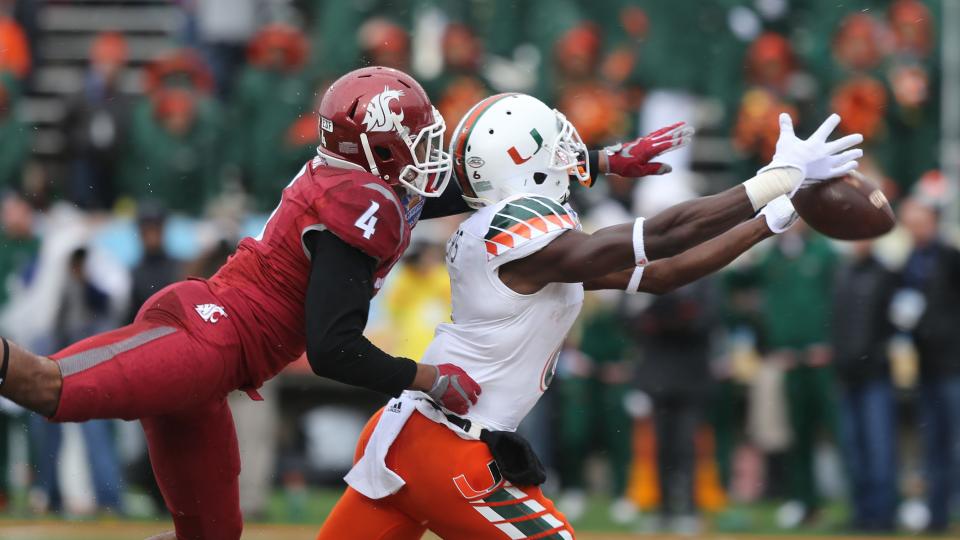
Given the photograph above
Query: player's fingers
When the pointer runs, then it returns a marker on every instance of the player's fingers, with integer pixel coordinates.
(665, 129)
(678, 134)
(844, 169)
(844, 142)
(679, 130)
(844, 157)
(827, 127)
(655, 168)
(786, 124)
(683, 137)
(675, 143)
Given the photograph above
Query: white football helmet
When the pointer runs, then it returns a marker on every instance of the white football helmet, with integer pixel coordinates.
(513, 143)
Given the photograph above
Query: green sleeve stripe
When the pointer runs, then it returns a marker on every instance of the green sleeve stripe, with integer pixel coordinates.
(522, 210)
(498, 496)
(554, 206)
(532, 527)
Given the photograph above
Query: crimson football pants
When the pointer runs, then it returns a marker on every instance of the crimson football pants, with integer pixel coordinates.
(171, 369)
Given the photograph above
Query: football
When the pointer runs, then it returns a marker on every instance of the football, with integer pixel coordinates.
(849, 208)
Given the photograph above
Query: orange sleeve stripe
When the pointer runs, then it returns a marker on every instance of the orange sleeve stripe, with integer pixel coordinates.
(524, 229)
(460, 147)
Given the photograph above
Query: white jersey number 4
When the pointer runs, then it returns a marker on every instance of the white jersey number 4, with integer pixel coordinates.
(368, 221)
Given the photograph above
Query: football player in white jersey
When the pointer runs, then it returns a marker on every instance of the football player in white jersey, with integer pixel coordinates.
(518, 269)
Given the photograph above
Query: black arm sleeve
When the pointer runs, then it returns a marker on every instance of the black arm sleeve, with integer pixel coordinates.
(451, 202)
(337, 304)
(593, 162)
(448, 204)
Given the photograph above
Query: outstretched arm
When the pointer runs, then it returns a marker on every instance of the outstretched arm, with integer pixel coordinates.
(795, 162)
(665, 275)
(577, 257)
(689, 223)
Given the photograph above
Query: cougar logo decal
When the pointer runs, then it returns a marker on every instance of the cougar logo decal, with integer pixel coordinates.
(210, 313)
(379, 117)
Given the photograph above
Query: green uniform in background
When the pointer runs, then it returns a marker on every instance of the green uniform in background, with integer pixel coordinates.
(266, 104)
(796, 290)
(334, 41)
(592, 411)
(14, 134)
(17, 258)
(908, 144)
(182, 172)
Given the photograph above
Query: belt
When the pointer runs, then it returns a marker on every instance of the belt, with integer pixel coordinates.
(470, 428)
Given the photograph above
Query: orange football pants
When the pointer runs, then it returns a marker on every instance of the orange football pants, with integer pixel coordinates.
(453, 488)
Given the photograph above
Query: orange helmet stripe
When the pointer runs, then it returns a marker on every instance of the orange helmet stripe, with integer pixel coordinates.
(460, 147)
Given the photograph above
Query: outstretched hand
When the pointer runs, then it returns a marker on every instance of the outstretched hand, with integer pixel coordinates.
(633, 159)
(816, 157)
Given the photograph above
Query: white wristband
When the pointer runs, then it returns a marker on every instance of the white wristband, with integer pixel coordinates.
(769, 184)
(639, 252)
(634, 286)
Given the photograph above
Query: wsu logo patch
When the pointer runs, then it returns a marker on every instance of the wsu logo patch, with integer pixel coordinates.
(379, 117)
(210, 313)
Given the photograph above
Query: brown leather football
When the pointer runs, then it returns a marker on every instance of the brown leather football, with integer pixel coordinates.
(849, 208)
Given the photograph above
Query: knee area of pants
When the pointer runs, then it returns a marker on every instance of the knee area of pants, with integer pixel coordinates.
(207, 528)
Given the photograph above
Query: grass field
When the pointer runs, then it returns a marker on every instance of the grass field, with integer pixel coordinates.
(288, 519)
(33, 530)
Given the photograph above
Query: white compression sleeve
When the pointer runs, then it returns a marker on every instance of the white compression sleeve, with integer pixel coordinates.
(772, 183)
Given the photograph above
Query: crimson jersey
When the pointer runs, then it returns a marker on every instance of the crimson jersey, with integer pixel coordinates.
(264, 283)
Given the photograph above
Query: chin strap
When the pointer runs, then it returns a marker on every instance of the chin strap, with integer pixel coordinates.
(6, 361)
(369, 154)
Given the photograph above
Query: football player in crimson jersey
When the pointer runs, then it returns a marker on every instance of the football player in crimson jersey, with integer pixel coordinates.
(304, 284)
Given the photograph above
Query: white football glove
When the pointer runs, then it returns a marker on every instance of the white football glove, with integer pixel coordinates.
(816, 157)
(779, 214)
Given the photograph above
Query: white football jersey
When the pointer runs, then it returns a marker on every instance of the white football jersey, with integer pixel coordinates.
(506, 341)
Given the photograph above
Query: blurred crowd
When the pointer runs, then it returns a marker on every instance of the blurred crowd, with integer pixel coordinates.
(806, 355)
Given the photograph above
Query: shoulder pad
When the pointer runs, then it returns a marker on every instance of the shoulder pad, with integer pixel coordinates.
(520, 220)
(365, 213)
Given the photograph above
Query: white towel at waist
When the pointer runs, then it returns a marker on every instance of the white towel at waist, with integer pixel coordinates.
(370, 475)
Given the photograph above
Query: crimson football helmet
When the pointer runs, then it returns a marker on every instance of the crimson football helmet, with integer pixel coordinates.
(381, 120)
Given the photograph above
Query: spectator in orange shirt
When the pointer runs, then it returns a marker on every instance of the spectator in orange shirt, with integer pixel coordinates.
(14, 50)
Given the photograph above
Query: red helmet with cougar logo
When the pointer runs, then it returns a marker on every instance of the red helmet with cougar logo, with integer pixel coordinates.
(381, 120)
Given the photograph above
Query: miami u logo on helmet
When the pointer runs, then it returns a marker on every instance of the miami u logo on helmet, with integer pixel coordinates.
(515, 154)
(379, 117)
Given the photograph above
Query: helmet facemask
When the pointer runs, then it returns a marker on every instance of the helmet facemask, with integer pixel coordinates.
(569, 151)
(430, 171)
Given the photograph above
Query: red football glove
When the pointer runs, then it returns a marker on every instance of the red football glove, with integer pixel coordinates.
(454, 389)
(632, 159)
